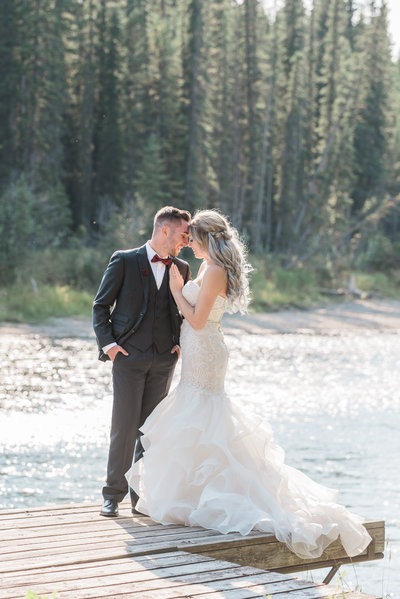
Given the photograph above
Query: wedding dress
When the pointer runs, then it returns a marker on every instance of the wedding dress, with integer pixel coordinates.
(207, 464)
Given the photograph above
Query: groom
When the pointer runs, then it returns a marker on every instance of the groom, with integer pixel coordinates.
(137, 325)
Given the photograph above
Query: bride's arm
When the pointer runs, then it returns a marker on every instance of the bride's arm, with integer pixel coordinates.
(213, 283)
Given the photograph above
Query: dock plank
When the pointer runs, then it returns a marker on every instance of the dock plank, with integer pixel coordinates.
(79, 554)
(170, 561)
(213, 573)
(198, 578)
(270, 554)
(257, 549)
(114, 536)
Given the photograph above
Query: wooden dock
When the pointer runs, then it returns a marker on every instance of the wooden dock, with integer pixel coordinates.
(79, 554)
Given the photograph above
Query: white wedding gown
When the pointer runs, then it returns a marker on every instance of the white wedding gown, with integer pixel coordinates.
(207, 464)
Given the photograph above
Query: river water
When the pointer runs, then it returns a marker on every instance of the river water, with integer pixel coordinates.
(333, 401)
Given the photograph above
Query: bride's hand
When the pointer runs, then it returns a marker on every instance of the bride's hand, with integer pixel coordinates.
(175, 279)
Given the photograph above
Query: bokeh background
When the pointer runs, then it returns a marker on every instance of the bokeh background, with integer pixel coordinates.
(284, 115)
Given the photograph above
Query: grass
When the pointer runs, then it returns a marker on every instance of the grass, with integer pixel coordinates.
(283, 289)
(380, 283)
(28, 303)
(33, 595)
(272, 288)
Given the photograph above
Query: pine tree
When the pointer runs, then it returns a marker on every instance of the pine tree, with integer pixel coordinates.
(137, 104)
(50, 161)
(195, 98)
(252, 77)
(338, 81)
(290, 88)
(34, 108)
(220, 102)
(82, 116)
(16, 227)
(9, 70)
(107, 137)
(110, 108)
(151, 178)
(167, 96)
(371, 140)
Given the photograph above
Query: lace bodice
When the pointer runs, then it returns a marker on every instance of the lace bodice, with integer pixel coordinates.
(191, 292)
(204, 353)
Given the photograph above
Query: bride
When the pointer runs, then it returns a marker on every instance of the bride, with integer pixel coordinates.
(206, 463)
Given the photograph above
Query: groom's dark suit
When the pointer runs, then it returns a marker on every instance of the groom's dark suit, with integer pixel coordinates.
(144, 320)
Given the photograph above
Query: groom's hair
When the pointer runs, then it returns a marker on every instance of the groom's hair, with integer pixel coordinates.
(170, 214)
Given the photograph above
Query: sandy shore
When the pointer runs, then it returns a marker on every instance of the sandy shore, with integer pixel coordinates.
(355, 316)
(334, 319)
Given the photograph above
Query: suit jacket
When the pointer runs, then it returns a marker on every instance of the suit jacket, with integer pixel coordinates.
(121, 301)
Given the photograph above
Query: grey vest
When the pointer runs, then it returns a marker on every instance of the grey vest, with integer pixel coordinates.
(156, 324)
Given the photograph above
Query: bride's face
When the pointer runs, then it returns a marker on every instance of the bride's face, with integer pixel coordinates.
(197, 250)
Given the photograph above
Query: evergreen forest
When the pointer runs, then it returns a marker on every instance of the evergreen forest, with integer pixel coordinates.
(286, 119)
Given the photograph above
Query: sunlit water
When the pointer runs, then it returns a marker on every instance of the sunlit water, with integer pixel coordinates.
(334, 402)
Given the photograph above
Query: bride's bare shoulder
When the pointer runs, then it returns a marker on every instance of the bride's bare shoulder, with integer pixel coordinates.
(215, 276)
(215, 270)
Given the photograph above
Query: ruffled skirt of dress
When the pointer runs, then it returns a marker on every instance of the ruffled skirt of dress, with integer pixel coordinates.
(206, 464)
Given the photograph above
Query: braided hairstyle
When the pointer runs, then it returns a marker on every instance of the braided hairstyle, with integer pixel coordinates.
(221, 241)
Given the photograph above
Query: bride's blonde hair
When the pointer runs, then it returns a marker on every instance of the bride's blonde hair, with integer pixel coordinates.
(221, 241)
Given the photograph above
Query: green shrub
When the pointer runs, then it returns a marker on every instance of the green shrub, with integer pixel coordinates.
(77, 267)
(30, 219)
(379, 282)
(273, 287)
(16, 226)
(380, 254)
(294, 282)
(25, 303)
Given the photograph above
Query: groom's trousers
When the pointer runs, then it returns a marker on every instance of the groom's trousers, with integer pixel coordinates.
(140, 381)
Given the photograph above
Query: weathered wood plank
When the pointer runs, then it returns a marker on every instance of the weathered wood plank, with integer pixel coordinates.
(228, 588)
(272, 555)
(67, 518)
(79, 554)
(73, 550)
(244, 594)
(129, 545)
(171, 563)
(220, 541)
(218, 573)
(84, 508)
(280, 552)
(88, 569)
(71, 536)
(196, 577)
(93, 527)
(257, 591)
(51, 508)
(136, 538)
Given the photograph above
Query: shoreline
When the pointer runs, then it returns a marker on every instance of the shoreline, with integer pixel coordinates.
(358, 316)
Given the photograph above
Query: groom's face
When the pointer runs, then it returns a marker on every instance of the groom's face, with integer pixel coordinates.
(177, 237)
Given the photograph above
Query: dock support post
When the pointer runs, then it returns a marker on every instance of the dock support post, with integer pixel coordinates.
(331, 574)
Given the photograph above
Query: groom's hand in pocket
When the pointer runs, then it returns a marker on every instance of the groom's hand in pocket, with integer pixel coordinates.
(112, 352)
(176, 349)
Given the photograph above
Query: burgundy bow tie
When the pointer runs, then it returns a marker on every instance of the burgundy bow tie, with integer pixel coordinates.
(166, 261)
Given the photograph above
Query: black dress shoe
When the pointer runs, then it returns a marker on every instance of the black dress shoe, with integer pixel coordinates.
(110, 508)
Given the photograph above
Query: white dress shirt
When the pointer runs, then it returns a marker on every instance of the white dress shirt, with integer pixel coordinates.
(158, 270)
